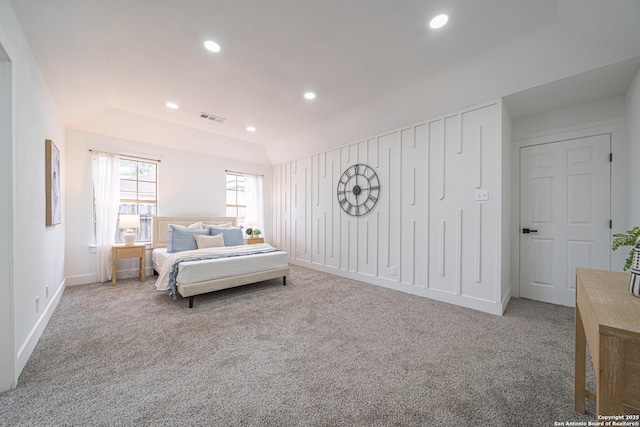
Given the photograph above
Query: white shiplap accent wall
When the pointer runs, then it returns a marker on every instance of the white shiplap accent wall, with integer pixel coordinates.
(427, 235)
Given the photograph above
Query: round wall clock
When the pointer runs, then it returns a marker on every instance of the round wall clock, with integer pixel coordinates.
(358, 190)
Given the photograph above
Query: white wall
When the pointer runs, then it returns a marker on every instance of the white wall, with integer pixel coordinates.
(189, 184)
(597, 113)
(633, 138)
(427, 235)
(7, 350)
(506, 219)
(38, 251)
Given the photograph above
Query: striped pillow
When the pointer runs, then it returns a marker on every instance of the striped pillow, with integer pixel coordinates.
(182, 239)
(232, 236)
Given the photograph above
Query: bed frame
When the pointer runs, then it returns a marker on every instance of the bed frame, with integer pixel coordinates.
(159, 240)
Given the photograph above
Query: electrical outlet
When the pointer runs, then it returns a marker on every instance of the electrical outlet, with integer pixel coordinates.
(46, 291)
(37, 304)
(394, 271)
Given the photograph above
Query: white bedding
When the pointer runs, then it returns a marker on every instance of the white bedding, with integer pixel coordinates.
(198, 271)
(159, 256)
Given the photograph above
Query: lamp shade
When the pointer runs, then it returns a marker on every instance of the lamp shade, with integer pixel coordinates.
(129, 221)
(251, 220)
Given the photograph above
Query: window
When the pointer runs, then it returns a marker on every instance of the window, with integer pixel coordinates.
(138, 195)
(244, 198)
(237, 197)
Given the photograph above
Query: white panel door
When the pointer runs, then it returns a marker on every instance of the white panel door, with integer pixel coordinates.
(564, 215)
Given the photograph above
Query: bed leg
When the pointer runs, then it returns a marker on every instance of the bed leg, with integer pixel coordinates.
(284, 280)
(190, 302)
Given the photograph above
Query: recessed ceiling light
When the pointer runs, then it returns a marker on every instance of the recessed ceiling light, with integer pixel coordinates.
(439, 21)
(310, 95)
(251, 129)
(172, 105)
(212, 46)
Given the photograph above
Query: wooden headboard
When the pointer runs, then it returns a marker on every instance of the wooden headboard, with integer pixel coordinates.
(160, 225)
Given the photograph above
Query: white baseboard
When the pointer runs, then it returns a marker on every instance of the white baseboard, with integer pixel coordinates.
(85, 279)
(25, 350)
(133, 273)
(506, 299)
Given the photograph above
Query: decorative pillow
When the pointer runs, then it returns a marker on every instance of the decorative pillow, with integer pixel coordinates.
(182, 239)
(224, 225)
(232, 236)
(209, 241)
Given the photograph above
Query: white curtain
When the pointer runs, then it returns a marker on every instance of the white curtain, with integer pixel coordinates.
(255, 199)
(106, 190)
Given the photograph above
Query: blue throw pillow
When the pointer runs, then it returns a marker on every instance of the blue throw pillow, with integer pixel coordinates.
(182, 239)
(231, 236)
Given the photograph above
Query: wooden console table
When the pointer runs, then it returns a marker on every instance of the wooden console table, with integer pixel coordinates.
(608, 320)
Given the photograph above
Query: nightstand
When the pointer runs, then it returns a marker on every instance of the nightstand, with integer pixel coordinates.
(253, 240)
(133, 251)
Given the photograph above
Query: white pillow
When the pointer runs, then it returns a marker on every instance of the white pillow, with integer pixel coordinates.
(194, 226)
(209, 241)
(224, 225)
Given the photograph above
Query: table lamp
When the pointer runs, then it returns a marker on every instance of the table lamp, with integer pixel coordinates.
(129, 222)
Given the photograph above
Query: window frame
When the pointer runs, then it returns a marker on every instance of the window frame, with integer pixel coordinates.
(236, 206)
(119, 233)
(137, 202)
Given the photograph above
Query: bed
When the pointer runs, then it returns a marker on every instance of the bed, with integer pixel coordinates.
(207, 270)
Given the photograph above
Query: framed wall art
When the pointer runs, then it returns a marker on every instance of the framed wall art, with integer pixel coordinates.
(54, 204)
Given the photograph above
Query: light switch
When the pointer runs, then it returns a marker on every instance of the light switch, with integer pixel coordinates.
(482, 195)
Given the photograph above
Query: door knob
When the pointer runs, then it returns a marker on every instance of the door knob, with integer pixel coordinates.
(527, 231)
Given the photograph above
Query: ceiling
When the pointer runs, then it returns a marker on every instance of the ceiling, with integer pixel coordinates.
(111, 65)
(600, 83)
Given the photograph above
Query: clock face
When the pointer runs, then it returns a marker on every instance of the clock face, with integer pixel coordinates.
(358, 190)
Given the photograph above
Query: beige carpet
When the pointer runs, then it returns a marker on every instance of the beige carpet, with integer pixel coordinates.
(322, 351)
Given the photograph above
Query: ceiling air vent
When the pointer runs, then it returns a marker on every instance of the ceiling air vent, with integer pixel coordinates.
(212, 118)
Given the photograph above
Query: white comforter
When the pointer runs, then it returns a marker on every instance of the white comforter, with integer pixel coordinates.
(162, 284)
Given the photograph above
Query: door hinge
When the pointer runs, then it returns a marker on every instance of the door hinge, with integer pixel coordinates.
(611, 157)
(610, 224)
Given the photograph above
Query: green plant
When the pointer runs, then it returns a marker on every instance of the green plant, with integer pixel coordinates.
(255, 232)
(626, 239)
